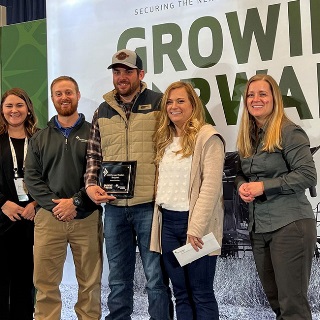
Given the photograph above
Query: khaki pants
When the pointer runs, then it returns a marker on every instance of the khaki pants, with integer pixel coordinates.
(50, 248)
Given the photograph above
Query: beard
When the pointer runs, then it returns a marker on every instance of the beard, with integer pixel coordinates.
(66, 111)
(130, 88)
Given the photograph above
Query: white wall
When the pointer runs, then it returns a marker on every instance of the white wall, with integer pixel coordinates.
(83, 35)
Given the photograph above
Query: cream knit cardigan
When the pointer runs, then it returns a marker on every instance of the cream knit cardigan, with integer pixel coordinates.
(206, 198)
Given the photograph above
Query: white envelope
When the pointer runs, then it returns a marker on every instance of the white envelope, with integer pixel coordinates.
(187, 254)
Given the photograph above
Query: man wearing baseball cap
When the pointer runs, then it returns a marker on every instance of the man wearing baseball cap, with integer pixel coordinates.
(126, 58)
(121, 136)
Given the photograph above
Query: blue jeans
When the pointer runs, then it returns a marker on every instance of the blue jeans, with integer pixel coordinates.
(193, 283)
(124, 229)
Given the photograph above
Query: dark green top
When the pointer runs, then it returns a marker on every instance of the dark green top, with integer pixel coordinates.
(286, 174)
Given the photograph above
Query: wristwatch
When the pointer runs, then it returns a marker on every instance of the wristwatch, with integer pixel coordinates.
(77, 200)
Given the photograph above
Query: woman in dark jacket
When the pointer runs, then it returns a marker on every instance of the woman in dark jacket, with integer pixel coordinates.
(17, 208)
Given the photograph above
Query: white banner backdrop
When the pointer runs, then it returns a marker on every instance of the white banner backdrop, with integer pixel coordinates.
(217, 43)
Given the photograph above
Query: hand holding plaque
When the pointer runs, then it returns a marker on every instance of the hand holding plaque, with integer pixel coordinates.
(117, 178)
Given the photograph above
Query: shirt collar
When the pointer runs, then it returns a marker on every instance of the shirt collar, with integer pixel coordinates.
(66, 131)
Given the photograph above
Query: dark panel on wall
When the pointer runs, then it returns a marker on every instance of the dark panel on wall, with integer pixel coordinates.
(24, 10)
(24, 62)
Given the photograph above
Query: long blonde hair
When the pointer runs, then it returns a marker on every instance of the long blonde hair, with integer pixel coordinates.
(30, 122)
(273, 125)
(166, 129)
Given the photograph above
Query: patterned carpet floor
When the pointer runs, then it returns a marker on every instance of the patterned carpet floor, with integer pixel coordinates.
(237, 287)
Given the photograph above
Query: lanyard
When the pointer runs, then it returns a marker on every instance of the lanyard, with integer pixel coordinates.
(14, 156)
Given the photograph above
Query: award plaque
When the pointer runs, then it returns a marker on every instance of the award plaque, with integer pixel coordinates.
(117, 178)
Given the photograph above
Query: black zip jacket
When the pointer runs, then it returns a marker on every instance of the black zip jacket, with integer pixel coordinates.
(55, 166)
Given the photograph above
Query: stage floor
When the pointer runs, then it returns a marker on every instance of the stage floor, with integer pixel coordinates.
(237, 288)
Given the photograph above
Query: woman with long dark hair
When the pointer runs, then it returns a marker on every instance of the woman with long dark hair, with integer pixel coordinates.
(17, 208)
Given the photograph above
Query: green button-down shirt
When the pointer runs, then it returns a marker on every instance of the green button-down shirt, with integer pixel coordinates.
(286, 174)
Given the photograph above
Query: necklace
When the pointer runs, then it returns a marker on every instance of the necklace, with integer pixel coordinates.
(17, 134)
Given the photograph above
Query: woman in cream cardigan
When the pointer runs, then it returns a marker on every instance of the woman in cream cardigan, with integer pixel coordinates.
(189, 202)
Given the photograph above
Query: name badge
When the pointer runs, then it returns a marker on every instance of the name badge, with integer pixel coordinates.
(22, 190)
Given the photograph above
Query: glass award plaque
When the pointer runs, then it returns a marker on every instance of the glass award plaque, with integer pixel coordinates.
(117, 178)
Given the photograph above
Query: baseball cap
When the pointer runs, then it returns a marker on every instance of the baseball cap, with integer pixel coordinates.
(128, 58)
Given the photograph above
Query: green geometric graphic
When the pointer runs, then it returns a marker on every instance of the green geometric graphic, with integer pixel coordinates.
(24, 63)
